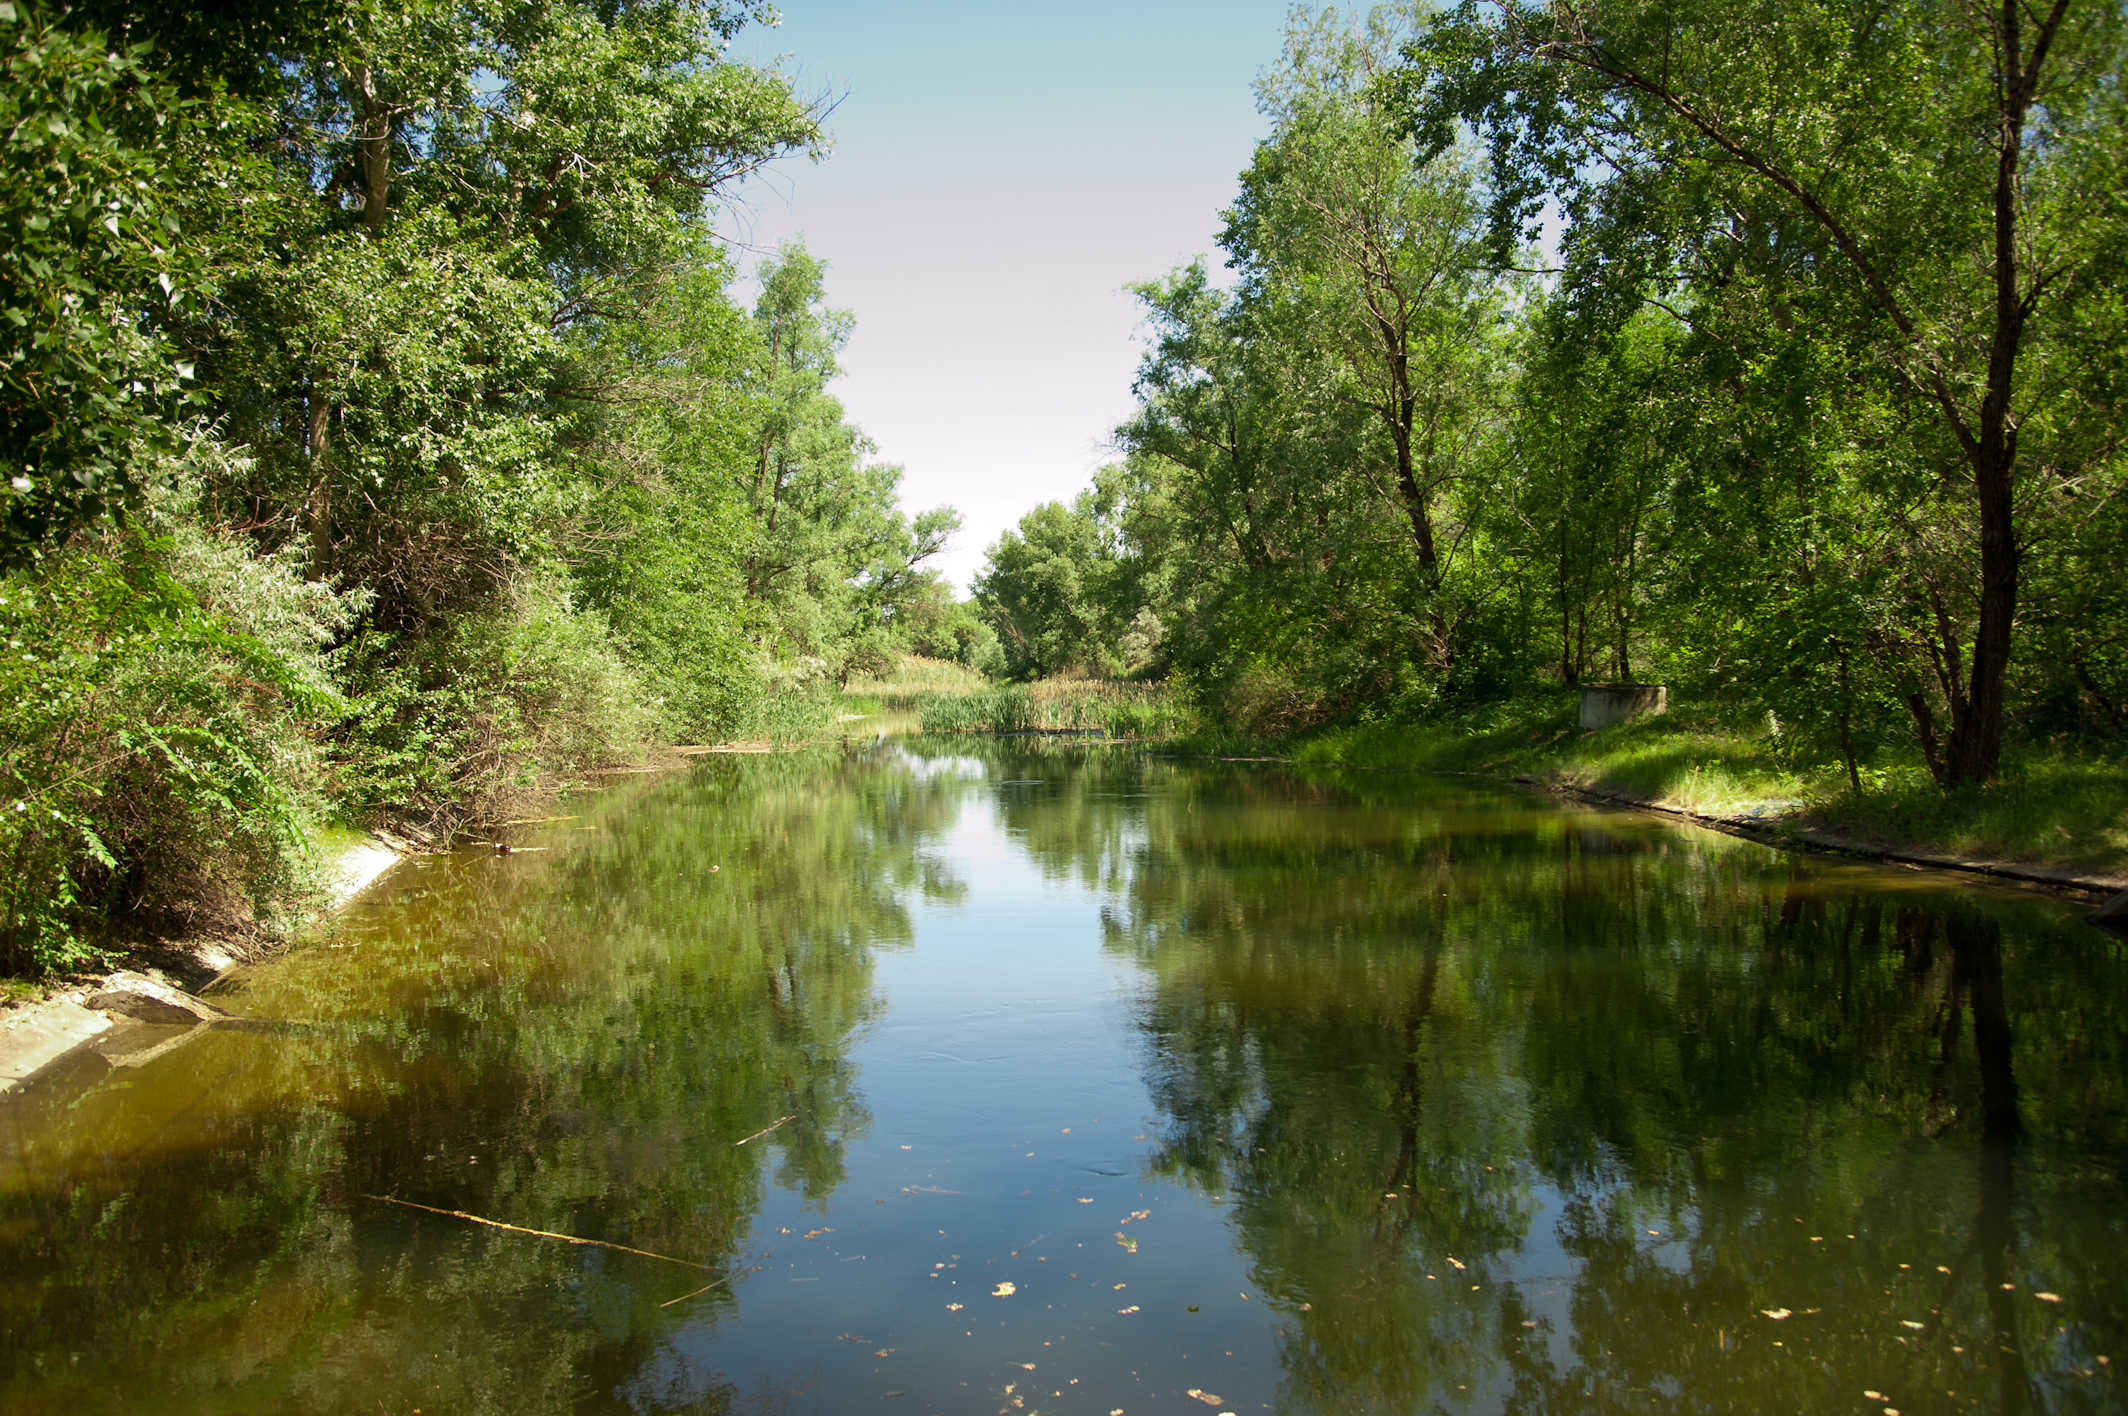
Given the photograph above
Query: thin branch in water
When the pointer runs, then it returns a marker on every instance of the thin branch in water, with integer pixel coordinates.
(542, 1233)
(765, 1130)
(707, 1286)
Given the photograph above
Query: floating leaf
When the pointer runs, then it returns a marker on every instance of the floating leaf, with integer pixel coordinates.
(1775, 1313)
(2048, 1297)
(1909, 1322)
(1874, 1395)
(1204, 1396)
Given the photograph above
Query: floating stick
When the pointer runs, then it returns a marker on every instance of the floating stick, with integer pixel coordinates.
(542, 1233)
(765, 1130)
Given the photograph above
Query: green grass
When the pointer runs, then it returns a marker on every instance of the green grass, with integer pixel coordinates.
(2054, 807)
(2051, 808)
(1124, 710)
(914, 676)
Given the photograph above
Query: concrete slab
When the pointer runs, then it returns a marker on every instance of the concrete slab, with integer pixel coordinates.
(39, 1035)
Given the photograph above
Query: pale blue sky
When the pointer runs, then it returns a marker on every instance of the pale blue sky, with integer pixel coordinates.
(1000, 172)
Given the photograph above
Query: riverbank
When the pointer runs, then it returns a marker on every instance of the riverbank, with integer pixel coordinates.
(2057, 817)
(44, 1020)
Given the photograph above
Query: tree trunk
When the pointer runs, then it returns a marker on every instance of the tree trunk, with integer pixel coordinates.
(317, 506)
(1847, 723)
(375, 150)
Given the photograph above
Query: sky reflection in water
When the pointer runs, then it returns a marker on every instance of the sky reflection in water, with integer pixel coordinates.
(1255, 1091)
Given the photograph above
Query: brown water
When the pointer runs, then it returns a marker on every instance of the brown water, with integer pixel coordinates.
(1261, 1091)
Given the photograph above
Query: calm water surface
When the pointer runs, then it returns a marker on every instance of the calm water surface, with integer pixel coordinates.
(996, 1079)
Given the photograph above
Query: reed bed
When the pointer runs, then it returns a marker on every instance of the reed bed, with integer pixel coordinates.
(913, 677)
(1122, 710)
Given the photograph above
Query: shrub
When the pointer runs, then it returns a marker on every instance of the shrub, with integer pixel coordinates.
(465, 724)
(162, 698)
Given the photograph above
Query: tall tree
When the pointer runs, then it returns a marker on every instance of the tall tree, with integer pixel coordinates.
(1928, 183)
(1377, 259)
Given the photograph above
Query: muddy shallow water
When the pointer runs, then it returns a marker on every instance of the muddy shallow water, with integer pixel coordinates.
(1032, 1077)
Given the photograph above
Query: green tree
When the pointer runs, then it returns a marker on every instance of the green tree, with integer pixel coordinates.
(1372, 259)
(1932, 190)
(89, 242)
(833, 562)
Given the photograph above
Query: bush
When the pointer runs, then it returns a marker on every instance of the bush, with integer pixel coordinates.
(467, 724)
(162, 700)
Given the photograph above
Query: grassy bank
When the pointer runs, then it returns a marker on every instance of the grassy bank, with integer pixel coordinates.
(2055, 807)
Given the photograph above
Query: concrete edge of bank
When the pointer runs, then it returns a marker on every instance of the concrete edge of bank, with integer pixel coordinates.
(1800, 837)
(1767, 831)
(37, 1035)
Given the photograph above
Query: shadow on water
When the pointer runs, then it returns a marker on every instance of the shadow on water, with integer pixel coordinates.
(1493, 1105)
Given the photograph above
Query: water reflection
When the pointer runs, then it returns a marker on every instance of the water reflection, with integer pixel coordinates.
(1551, 1111)
(573, 1040)
(1457, 1100)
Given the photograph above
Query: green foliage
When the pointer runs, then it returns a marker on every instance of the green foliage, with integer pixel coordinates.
(1300, 527)
(162, 699)
(833, 566)
(652, 546)
(940, 626)
(1040, 589)
(1122, 710)
(1889, 299)
(486, 428)
(1814, 418)
(467, 723)
(88, 237)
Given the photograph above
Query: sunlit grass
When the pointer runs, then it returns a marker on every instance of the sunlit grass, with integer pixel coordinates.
(1123, 710)
(913, 675)
(2054, 807)
(2051, 807)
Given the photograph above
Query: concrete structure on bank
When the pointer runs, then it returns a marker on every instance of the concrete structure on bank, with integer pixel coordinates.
(1603, 704)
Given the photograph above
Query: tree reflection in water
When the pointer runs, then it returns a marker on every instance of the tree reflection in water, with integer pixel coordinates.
(1508, 1106)
(564, 1041)
(1551, 1108)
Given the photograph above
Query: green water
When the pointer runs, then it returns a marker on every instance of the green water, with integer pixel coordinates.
(1365, 1093)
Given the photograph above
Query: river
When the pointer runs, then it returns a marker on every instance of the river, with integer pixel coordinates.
(968, 1076)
